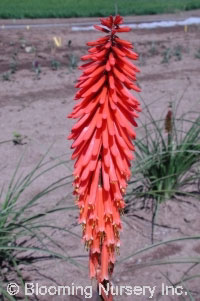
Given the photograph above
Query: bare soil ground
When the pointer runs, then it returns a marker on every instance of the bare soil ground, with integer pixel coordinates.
(36, 107)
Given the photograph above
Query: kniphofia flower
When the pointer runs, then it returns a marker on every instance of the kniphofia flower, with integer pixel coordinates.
(103, 146)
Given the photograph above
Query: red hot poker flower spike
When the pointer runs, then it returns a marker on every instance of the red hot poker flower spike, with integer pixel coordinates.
(103, 142)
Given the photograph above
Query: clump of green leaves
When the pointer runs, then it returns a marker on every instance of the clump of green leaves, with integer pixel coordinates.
(167, 54)
(55, 64)
(17, 138)
(166, 159)
(23, 229)
(6, 76)
(178, 53)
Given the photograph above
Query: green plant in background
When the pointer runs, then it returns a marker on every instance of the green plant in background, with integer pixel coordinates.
(55, 64)
(86, 8)
(153, 50)
(17, 138)
(167, 54)
(14, 61)
(197, 54)
(167, 157)
(36, 68)
(73, 61)
(6, 76)
(178, 53)
(22, 229)
(55, 44)
(72, 58)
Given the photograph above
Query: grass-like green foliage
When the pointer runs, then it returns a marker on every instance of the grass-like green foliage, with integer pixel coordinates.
(23, 224)
(167, 159)
(192, 261)
(88, 8)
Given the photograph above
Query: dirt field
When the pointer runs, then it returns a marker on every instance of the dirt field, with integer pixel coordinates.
(36, 105)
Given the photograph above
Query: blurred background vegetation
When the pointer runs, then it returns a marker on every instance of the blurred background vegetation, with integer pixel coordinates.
(87, 8)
